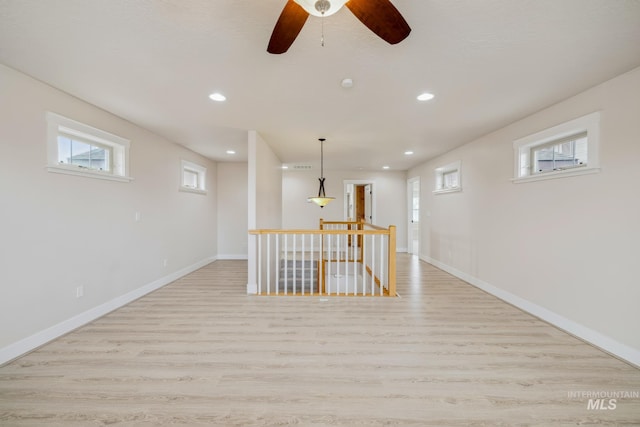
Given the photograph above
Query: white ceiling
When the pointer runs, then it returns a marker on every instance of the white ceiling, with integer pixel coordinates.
(488, 62)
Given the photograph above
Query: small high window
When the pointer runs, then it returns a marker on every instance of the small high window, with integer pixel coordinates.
(562, 154)
(78, 149)
(194, 178)
(565, 150)
(84, 154)
(448, 178)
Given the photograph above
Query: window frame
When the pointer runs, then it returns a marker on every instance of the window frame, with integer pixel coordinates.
(201, 177)
(441, 172)
(524, 148)
(117, 146)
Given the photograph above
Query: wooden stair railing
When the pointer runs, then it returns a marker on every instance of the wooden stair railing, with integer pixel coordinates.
(340, 258)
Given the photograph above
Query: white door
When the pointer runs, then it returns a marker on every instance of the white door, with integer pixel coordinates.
(368, 195)
(413, 197)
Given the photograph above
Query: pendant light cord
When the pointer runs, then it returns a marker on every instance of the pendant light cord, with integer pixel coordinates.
(321, 158)
(321, 192)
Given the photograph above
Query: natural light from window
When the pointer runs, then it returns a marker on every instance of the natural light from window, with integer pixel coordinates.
(77, 149)
(567, 149)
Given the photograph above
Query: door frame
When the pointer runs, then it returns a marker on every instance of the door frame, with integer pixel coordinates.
(371, 182)
(410, 183)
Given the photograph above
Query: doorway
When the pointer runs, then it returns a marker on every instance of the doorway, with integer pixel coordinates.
(359, 200)
(360, 203)
(413, 208)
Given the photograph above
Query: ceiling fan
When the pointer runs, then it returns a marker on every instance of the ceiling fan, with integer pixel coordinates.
(380, 16)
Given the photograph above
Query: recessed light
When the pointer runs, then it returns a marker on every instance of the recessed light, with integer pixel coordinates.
(408, 153)
(425, 96)
(285, 167)
(218, 97)
(231, 152)
(385, 167)
(347, 83)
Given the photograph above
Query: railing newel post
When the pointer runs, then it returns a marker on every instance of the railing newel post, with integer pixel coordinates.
(391, 255)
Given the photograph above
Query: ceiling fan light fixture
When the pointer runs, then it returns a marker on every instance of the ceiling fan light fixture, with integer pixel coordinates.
(380, 16)
(321, 7)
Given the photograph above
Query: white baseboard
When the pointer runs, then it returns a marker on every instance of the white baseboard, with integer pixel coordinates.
(604, 342)
(232, 257)
(19, 348)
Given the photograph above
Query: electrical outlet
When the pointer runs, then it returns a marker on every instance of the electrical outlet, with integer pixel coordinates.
(138, 216)
(79, 291)
(165, 262)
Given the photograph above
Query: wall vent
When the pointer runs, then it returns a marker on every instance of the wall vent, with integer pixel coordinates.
(301, 167)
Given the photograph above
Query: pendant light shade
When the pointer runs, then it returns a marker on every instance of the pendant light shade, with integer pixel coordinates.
(321, 200)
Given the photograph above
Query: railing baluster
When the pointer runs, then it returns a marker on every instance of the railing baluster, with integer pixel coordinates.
(268, 264)
(277, 257)
(337, 249)
(286, 263)
(381, 263)
(295, 267)
(259, 264)
(329, 266)
(312, 256)
(346, 264)
(355, 264)
(363, 260)
(373, 262)
(303, 266)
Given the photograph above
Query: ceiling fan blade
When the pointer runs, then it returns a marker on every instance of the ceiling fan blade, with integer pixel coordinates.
(381, 17)
(287, 28)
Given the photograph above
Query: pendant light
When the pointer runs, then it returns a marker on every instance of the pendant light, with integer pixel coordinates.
(321, 200)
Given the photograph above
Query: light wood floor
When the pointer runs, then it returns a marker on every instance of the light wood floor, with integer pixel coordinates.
(200, 352)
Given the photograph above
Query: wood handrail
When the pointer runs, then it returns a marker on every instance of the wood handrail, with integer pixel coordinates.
(362, 223)
(382, 231)
(342, 222)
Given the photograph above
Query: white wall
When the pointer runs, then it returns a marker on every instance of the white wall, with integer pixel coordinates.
(264, 197)
(232, 210)
(265, 184)
(564, 249)
(59, 232)
(390, 189)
